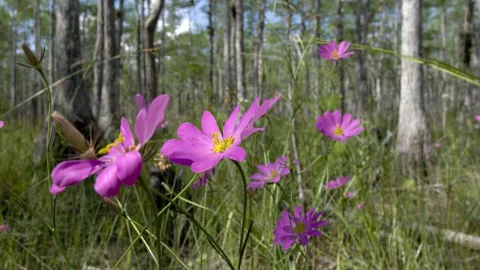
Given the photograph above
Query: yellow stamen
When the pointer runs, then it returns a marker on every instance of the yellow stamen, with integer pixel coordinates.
(107, 148)
(219, 146)
(335, 54)
(300, 227)
(273, 174)
(338, 131)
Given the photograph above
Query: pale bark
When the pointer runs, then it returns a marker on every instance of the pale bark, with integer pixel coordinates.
(109, 115)
(240, 65)
(138, 55)
(227, 56)
(13, 61)
(211, 55)
(318, 62)
(150, 72)
(35, 109)
(98, 59)
(412, 137)
(258, 49)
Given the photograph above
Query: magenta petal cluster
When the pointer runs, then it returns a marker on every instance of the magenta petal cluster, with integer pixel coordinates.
(297, 227)
(330, 51)
(203, 179)
(339, 182)
(338, 127)
(203, 150)
(1, 124)
(477, 117)
(269, 173)
(350, 194)
(5, 228)
(123, 163)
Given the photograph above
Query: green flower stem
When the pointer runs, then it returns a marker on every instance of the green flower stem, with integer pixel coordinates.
(244, 219)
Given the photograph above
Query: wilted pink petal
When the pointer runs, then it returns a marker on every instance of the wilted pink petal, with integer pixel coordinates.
(350, 194)
(477, 117)
(339, 182)
(5, 228)
(361, 205)
(1, 124)
(437, 145)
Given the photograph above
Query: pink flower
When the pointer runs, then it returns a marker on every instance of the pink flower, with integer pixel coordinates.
(330, 51)
(1, 124)
(437, 145)
(350, 194)
(361, 205)
(203, 179)
(477, 117)
(123, 163)
(203, 150)
(338, 128)
(269, 173)
(5, 228)
(259, 111)
(297, 227)
(339, 182)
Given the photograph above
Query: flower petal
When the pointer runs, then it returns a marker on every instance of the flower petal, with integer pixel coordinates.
(190, 133)
(206, 164)
(236, 153)
(127, 133)
(129, 167)
(155, 115)
(140, 126)
(107, 184)
(72, 172)
(141, 103)
(209, 125)
(229, 126)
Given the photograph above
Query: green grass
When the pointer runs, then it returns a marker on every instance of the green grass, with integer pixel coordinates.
(389, 233)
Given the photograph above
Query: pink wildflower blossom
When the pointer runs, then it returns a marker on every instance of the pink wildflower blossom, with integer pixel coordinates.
(330, 51)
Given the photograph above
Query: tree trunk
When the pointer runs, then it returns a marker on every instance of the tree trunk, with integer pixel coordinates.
(258, 49)
(109, 114)
(211, 59)
(318, 62)
(35, 109)
(139, 49)
(361, 24)
(98, 59)
(150, 26)
(241, 93)
(227, 55)
(467, 42)
(13, 60)
(412, 138)
(70, 97)
(341, 69)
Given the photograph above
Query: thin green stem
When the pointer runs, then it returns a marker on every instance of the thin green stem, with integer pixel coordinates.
(52, 200)
(158, 228)
(244, 218)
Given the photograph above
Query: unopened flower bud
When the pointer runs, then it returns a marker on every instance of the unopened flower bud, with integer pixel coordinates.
(112, 205)
(71, 134)
(32, 59)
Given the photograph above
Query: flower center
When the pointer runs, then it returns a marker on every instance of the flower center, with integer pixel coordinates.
(219, 146)
(338, 131)
(273, 174)
(300, 227)
(107, 148)
(335, 54)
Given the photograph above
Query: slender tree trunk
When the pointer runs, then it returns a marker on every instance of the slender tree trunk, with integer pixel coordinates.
(109, 114)
(318, 35)
(35, 110)
(467, 42)
(211, 59)
(71, 98)
(258, 49)
(13, 61)
(119, 49)
(379, 80)
(227, 55)
(361, 70)
(150, 26)
(341, 69)
(98, 59)
(139, 49)
(412, 138)
(161, 62)
(241, 93)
